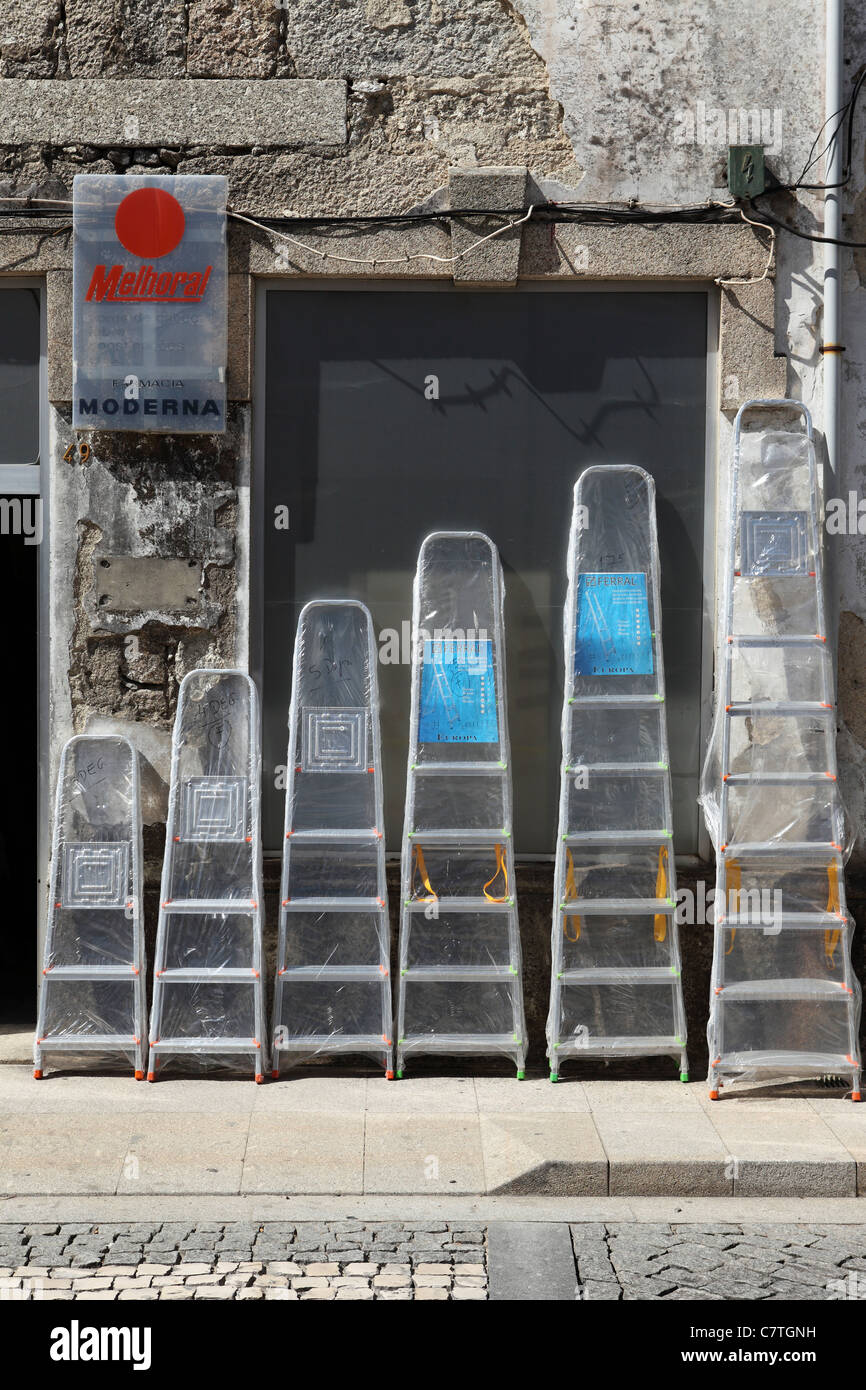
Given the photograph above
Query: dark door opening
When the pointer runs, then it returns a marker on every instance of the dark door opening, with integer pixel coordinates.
(20, 537)
(18, 844)
(392, 414)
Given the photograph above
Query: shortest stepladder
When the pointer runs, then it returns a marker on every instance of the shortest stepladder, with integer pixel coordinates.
(208, 994)
(93, 998)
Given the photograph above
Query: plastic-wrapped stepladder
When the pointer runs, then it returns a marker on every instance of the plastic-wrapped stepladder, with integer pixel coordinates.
(616, 988)
(92, 1003)
(784, 1000)
(460, 983)
(208, 994)
(332, 991)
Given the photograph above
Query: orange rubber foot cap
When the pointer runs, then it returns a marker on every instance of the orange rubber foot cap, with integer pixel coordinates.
(855, 1095)
(139, 1076)
(259, 1078)
(37, 1076)
(389, 1076)
(151, 1076)
(714, 1095)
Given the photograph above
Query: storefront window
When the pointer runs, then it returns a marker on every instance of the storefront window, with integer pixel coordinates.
(390, 414)
(19, 376)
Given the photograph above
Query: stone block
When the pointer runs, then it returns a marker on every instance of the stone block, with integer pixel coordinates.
(142, 113)
(494, 261)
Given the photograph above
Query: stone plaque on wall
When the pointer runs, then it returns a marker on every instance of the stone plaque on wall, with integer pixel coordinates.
(149, 297)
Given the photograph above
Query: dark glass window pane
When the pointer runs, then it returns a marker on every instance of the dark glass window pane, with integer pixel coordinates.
(19, 376)
(532, 387)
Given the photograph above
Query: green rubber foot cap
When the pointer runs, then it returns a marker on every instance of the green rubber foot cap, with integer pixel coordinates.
(554, 1076)
(521, 1076)
(399, 1076)
(684, 1076)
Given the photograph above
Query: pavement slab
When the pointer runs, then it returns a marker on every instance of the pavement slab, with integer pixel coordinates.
(326, 1131)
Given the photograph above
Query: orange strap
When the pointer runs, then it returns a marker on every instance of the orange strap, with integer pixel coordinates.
(500, 869)
(733, 880)
(418, 863)
(570, 919)
(660, 921)
(831, 937)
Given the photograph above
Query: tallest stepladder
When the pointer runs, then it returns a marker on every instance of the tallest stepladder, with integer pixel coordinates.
(784, 1001)
(616, 988)
(460, 987)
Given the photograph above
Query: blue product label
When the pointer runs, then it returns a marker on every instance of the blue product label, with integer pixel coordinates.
(458, 693)
(613, 633)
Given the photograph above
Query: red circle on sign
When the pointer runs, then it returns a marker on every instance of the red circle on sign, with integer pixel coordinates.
(149, 223)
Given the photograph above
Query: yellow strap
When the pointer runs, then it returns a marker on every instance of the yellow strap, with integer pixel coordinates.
(831, 937)
(733, 879)
(500, 869)
(418, 862)
(570, 919)
(660, 921)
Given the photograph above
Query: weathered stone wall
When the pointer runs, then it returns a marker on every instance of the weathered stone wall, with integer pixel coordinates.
(348, 106)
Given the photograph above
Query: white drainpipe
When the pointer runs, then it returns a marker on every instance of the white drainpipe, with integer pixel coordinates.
(832, 328)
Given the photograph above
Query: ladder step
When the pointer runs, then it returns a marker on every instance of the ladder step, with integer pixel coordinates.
(332, 973)
(332, 1042)
(234, 907)
(206, 1044)
(790, 921)
(654, 769)
(789, 1062)
(771, 849)
(637, 975)
(757, 639)
(86, 1042)
(779, 779)
(333, 905)
(458, 905)
(645, 702)
(91, 972)
(618, 837)
(605, 907)
(634, 1047)
(456, 838)
(460, 1042)
(342, 836)
(244, 975)
(794, 709)
(784, 989)
(488, 769)
(426, 974)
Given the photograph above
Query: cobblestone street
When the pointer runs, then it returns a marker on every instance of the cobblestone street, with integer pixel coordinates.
(434, 1261)
(274, 1260)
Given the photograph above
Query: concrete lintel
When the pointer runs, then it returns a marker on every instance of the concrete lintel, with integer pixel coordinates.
(143, 112)
(494, 261)
(696, 253)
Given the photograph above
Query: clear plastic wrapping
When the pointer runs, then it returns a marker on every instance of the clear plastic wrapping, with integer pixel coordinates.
(208, 996)
(333, 984)
(616, 982)
(92, 1002)
(784, 1001)
(460, 984)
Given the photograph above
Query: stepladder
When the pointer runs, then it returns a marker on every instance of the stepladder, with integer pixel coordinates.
(332, 991)
(92, 1003)
(784, 1000)
(616, 980)
(208, 990)
(460, 986)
